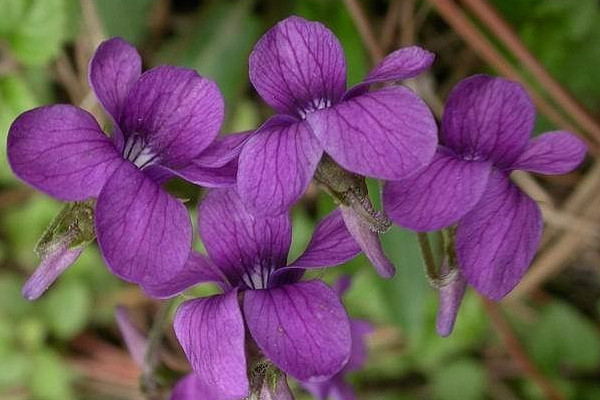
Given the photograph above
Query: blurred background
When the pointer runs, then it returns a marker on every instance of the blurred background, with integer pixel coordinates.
(542, 342)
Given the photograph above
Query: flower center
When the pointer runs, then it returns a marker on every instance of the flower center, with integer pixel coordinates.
(315, 105)
(257, 276)
(138, 152)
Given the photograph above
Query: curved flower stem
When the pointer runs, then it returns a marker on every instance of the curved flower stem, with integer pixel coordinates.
(150, 383)
(428, 259)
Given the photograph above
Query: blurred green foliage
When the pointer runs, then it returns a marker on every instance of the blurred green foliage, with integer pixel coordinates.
(216, 37)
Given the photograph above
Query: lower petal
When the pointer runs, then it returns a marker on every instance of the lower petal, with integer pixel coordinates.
(211, 333)
(144, 234)
(276, 166)
(368, 242)
(438, 196)
(303, 328)
(61, 151)
(497, 240)
(386, 134)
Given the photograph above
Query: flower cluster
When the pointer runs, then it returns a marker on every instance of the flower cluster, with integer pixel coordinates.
(166, 123)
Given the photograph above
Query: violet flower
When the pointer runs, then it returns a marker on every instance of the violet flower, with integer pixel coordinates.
(298, 68)
(301, 326)
(485, 133)
(165, 124)
(336, 387)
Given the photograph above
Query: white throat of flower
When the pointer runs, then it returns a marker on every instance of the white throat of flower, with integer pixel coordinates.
(315, 105)
(257, 276)
(138, 152)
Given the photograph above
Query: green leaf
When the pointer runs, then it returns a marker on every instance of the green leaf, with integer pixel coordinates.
(564, 338)
(460, 380)
(127, 19)
(14, 306)
(51, 379)
(14, 368)
(66, 308)
(217, 45)
(41, 31)
(12, 13)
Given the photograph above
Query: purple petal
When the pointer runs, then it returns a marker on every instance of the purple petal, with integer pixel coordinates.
(359, 329)
(298, 66)
(235, 239)
(303, 328)
(114, 68)
(177, 112)
(223, 150)
(488, 118)
(198, 269)
(279, 391)
(135, 340)
(404, 63)
(439, 195)
(51, 267)
(368, 242)
(190, 387)
(450, 296)
(276, 166)
(497, 240)
(61, 151)
(552, 153)
(213, 177)
(144, 234)
(211, 333)
(331, 244)
(386, 134)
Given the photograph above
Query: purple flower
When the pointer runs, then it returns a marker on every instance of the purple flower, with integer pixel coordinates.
(485, 134)
(298, 68)
(165, 122)
(301, 326)
(336, 387)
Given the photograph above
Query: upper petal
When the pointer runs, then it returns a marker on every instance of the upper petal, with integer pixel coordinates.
(177, 112)
(368, 241)
(144, 234)
(439, 195)
(298, 65)
(61, 151)
(114, 68)
(552, 153)
(497, 240)
(303, 328)
(238, 241)
(386, 134)
(276, 166)
(331, 244)
(211, 333)
(197, 269)
(488, 118)
(403, 63)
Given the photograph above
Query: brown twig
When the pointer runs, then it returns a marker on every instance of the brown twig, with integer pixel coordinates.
(390, 24)
(407, 23)
(506, 34)
(516, 351)
(364, 28)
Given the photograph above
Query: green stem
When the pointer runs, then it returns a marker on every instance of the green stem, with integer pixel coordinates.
(150, 385)
(428, 259)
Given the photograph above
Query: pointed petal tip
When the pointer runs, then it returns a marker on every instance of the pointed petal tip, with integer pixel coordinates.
(51, 267)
